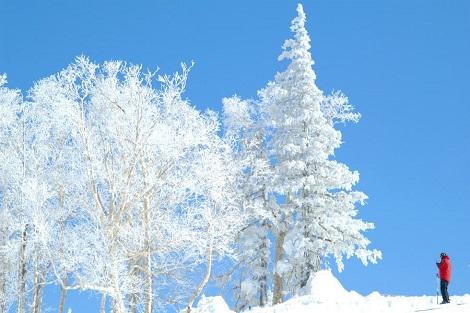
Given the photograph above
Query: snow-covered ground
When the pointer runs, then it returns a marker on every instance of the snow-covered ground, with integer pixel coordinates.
(325, 294)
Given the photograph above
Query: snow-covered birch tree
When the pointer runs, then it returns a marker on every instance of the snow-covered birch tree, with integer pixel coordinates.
(28, 157)
(157, 183)
(60, 167)
(12, 246)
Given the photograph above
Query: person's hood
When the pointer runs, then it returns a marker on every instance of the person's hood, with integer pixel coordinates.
(445, 257)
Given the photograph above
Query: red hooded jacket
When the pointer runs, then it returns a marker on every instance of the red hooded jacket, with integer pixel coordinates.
(445, 268)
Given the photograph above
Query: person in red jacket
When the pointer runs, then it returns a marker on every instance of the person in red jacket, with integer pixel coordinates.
(445, 269)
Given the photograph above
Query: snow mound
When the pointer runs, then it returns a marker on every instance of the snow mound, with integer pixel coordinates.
(325, 294)
(212, 305)
(323, 286)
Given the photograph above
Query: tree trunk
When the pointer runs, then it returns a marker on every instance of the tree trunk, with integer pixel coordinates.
(119, 306)
(103, 303)
(205, 279)
(311, 258)
(149, 285)
(22, 273)
(118, 301)
(304, 276)
(63, 291)
(2, 292)
(133, 296)
(263, 280)
(38, 285)
(37, 292)
(133, 303)
(279, 254)
(277, 288)
(312, 265)
(63, 294)
(147, 273)
(148, 262)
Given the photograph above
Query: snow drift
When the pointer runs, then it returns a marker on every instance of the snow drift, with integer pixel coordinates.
(325, 294)
(212, 305)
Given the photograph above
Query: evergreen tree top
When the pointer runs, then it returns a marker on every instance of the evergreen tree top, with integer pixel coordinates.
(299, 46)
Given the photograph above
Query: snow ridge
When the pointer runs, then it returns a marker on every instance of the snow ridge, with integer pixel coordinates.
(325, 294)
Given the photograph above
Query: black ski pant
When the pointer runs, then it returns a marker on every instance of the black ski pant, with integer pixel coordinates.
(444, 293)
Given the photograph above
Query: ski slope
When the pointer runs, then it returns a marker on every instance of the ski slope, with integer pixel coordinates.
(325, 294)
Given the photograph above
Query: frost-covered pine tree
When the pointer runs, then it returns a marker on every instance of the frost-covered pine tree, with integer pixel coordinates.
(318, 216)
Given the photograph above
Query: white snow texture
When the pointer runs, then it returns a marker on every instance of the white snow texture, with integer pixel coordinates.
(325, 294)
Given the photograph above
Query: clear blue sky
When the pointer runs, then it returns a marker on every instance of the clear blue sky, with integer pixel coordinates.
(403, 64)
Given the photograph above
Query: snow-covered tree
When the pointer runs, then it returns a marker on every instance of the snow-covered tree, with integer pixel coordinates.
(318, 216)
(294, 189)
(27, 158)
(22, 198)
(11, 243)
(112, 185)
(157, 182)
(245, 130)
(59, 166)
